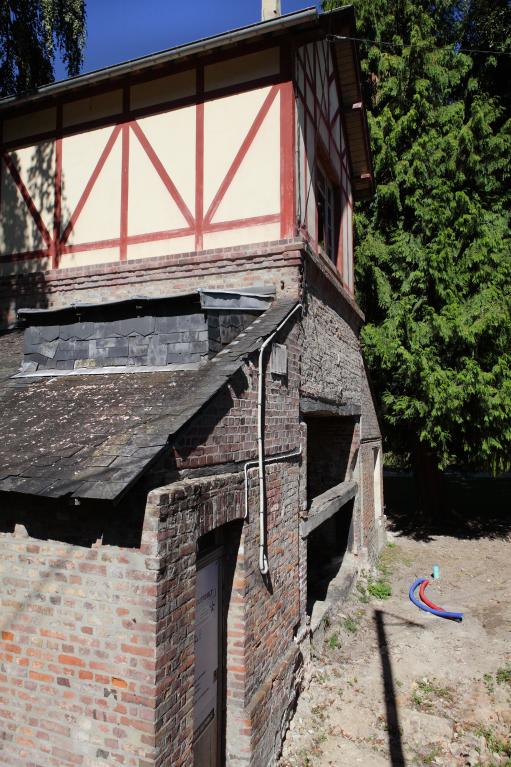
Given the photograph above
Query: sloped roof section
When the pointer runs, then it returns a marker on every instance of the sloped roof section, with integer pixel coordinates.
(94, 436)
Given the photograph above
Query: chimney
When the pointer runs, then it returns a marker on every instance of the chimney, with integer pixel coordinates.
(271, 9)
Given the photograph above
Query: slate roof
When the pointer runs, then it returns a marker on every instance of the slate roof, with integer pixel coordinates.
(92, 436)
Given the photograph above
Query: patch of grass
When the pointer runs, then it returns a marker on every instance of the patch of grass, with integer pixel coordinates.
(416, 698)
(489, 682)
(379, 589)
(430, 757)
(503, 675)
(350, 625)
(390, 555)
(430, 688)
(494, 743)
(427, 690)
(362, 594)
(319, 712)
(333, 642)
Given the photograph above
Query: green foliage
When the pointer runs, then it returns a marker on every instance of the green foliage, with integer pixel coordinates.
(333, 642)
(379, 589)
(30, 33)
(350, 625)
(495, 744)
(503, 675)
(433, 247)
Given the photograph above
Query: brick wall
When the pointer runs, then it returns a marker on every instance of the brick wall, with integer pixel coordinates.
(271, 264)
(370, 428)
(77, 650)
(97, 645)
(98, 624)
(180, 514)
(226, 430)
(331, 364)
(333, 370)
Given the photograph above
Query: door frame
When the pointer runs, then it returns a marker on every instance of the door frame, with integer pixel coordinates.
(203, 560)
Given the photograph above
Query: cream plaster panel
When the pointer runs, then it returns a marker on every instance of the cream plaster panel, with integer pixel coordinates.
(89, 258)
(36, 166)
(30, 124)
(150, 207)
(25, 267)
(242, 69)
(311, 196)
(309, 97)
(93, 108)
(310, 54)
(161, 248)
(347, 185)
(245, 236)
(336, 132)
(172, 136)
(336, 164)
(80, 154)
(18, 230)
(255, 189)
(334, 101)
(322, 79)
(163, 89)
(301, 161)
(323, 131)
(100, 217)
(300, 77)
(226, 123)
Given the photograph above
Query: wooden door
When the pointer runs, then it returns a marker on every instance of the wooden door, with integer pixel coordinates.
(207, 708)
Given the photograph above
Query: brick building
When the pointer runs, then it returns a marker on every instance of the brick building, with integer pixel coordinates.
(190, 461)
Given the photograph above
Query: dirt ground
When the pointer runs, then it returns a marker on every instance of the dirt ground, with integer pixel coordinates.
(390, 686)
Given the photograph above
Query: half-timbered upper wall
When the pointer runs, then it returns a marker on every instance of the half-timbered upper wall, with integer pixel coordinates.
(321, 144)
(196, 159)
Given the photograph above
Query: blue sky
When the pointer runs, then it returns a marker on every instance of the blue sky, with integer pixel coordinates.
(118, 30)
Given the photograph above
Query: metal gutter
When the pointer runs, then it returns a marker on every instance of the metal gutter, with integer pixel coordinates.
(163, 57)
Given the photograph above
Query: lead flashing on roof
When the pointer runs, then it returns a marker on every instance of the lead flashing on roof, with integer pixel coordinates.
(257, 297)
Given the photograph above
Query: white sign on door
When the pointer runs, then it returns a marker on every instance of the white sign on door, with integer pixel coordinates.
(206, 648)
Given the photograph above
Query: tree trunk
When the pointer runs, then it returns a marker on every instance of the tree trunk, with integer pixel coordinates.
(428, 483)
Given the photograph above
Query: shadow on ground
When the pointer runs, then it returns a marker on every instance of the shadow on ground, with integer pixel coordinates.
(476, 506)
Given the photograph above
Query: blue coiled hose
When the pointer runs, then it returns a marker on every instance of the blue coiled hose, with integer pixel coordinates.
(441, 614)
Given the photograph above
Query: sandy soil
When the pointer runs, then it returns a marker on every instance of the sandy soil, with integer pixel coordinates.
(389, 685)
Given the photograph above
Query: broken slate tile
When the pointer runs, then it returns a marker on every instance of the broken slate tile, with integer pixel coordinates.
(167, 324)
(49, 332)
(156, 353)
(29, 367)
(136, 325)
(48, 348)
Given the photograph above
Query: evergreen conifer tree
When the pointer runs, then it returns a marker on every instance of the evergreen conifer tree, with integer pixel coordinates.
(433, 255)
